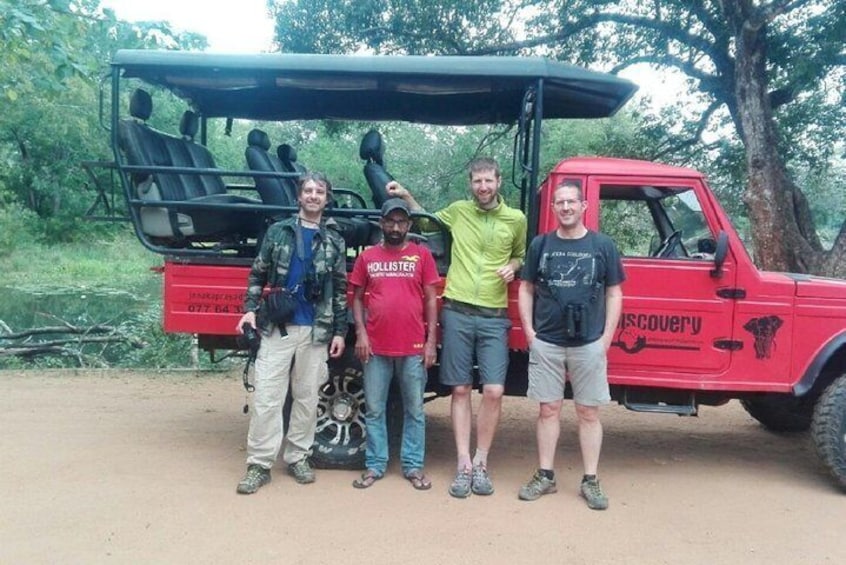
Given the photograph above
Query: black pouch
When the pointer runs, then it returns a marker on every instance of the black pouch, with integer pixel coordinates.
(279, 306)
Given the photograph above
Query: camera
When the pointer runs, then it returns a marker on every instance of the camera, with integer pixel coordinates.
(313, 286)
(251, 337)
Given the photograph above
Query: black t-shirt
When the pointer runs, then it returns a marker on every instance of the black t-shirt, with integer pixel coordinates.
(570, 278)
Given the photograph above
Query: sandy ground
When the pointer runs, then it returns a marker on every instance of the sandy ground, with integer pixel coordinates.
(136, 467)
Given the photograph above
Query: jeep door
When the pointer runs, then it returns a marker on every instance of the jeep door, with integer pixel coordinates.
(677, 320)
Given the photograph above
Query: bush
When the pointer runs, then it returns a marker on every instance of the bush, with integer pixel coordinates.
(15, 230)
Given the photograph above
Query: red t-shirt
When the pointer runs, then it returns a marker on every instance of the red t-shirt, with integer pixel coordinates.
(393, 281)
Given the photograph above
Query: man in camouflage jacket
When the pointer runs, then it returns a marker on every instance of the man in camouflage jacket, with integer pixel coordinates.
(306, 255)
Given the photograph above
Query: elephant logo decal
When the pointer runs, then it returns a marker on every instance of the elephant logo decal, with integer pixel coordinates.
(764, 329)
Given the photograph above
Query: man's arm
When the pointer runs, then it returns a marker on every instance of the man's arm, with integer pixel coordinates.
(339, 301)
(526, 304)
(362, 341)
(613, 309)
(430, 311)
(396, 190)
(518, 253)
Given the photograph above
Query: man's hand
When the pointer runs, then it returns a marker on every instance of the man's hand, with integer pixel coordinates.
(362, 347)
(248, 317)
(430, 354)
(530, 335)
(396, 190)
(336, 348)
(506, 273)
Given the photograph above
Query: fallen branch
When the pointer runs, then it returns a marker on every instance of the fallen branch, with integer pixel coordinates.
(25, 347)
(65, 329)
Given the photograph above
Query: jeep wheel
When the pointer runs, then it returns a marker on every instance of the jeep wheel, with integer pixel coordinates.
(781, 413)
(829, 430)
(339, 436)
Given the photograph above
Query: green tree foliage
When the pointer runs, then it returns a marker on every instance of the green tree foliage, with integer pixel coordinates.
(54, 52)
(766, 82)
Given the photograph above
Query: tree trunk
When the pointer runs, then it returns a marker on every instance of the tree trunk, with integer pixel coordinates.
(784, 233)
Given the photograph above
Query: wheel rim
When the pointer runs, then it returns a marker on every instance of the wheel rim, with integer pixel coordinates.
(340, 410)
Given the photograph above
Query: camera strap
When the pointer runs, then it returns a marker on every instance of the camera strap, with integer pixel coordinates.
(248, 387)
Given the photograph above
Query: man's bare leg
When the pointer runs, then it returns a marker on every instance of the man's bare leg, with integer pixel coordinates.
(548, 430)
(590, 436)
(461, 411)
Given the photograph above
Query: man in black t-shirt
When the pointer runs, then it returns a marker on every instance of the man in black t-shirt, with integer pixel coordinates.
(570, 302)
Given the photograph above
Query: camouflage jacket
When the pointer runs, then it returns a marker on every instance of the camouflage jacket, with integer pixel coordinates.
(329, 256)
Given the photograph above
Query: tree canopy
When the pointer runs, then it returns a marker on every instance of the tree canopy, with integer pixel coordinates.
(766, 80)
(54, 52)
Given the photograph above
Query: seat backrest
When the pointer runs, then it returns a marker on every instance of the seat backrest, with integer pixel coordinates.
(288, 158)
(145, 146)
(371, 150)
(273, 191)
(200, 157)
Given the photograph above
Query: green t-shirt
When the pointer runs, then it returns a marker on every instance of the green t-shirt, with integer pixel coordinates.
(482, 242)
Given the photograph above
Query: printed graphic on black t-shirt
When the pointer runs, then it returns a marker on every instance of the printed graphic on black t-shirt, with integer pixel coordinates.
(569, 269)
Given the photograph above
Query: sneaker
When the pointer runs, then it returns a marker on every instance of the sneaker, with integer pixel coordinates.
(256, 477)
(537, 487)
(460, 487)
(481, 481)
(591, 491)
(302, 471)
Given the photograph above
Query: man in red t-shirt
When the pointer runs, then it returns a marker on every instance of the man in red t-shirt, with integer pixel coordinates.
(395, 283)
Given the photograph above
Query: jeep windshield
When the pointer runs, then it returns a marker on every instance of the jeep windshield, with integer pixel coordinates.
(177, 199)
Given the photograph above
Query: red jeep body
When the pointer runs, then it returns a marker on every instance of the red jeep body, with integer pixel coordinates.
(683, 327)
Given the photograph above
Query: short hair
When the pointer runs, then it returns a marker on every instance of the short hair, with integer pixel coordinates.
(570, 183)
(317, 177)
(483, 164)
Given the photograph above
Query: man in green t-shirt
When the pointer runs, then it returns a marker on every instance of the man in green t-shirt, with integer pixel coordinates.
(488, 247)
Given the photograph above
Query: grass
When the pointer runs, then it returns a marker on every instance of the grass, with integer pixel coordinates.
(89, 275)
(119, 262)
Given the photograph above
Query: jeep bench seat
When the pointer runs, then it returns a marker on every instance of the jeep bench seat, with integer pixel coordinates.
(145, 146)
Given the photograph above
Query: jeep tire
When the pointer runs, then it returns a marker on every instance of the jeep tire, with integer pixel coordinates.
(829, 429)
(340, 433)
(781, 412)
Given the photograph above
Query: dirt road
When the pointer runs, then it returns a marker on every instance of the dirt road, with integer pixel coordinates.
(138, 467)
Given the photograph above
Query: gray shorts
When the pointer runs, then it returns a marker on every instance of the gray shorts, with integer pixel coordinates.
(466, 334)
(586, 366)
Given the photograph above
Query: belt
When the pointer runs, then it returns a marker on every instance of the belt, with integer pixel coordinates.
(474, 310)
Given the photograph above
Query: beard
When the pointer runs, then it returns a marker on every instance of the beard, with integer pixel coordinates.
(393, 238)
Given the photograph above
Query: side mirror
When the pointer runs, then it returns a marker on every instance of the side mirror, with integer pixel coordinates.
(720, 254)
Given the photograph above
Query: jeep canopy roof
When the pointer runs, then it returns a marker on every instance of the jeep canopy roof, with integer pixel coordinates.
(449, 90)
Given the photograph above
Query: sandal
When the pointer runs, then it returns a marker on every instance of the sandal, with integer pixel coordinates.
(367, 479)
(418, 480)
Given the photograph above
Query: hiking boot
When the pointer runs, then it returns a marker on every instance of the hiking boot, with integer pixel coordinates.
(481, 481)
(537, 487)
(302, 471)
(256, 477)
(591, 491)
(460, 487)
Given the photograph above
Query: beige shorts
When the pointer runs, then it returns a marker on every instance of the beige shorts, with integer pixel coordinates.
(585, 366)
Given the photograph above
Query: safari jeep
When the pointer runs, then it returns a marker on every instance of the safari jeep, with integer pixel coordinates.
(700, 324)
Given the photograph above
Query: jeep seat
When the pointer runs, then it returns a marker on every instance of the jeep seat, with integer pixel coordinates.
(275, 191)
(371, 151)
(145, 146)
(288, 159)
